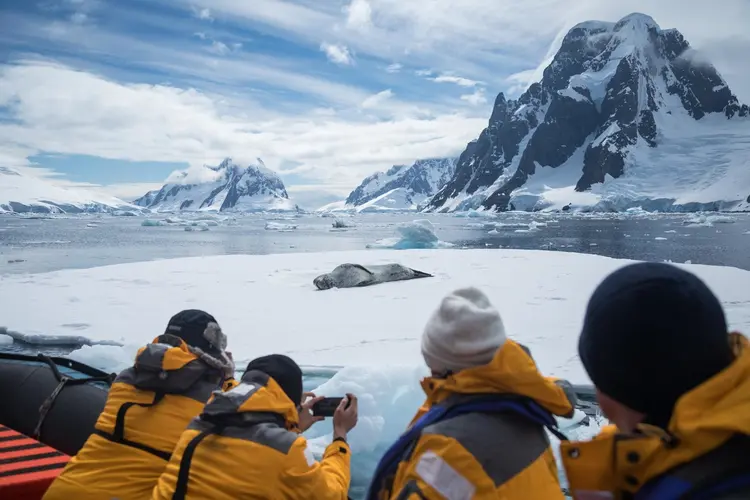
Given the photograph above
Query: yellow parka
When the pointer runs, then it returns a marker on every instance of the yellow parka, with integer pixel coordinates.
(148, 407)
(485, 456)
(707, 440)
(245, 445)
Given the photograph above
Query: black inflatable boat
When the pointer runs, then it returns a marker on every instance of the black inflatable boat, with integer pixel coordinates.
(53, 400)
(57, 400)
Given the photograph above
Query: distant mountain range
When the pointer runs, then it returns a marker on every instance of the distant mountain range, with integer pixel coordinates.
(402, 188)
(226, 187)
(21, 193)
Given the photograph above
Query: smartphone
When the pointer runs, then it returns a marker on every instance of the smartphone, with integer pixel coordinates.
(326, 407)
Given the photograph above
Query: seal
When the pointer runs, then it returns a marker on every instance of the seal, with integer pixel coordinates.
(356, 275)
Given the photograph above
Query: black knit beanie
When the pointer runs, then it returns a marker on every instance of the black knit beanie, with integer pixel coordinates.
(190, 326)
(284, 371)
(653, 332)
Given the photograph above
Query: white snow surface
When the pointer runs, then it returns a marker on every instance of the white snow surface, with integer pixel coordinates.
(29, 190)
(268, 304)
(541, 296)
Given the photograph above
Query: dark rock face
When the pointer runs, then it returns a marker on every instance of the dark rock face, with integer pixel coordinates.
(234, 183)
(602, 91)
(421, 179)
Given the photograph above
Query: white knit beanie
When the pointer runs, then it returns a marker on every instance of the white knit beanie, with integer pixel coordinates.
(464, 332)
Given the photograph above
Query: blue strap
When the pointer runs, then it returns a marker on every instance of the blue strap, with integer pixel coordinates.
(673, 488)
(666, 488)
(491, 404)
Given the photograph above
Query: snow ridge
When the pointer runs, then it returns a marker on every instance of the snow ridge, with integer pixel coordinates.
(625, 115)
(402, 187)
(226, 187)
(20, 193)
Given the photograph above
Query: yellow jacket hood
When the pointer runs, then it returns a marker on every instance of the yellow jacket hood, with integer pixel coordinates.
(511, 371)
(703, 419)
(256, 393)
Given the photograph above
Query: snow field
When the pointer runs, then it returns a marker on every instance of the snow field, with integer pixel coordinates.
(369, 337)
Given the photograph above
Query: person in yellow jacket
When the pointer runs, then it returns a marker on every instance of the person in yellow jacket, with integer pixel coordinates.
(457, 446)
(147, 408)
(675, 385)
(247, 443)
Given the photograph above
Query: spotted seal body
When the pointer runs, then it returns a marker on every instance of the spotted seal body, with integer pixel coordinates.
(355, 275)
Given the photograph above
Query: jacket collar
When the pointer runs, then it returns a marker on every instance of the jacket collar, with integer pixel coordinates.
(511, 371)
(703, 419)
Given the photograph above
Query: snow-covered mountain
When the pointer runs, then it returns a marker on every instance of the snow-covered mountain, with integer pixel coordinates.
(226, 187)
(626, 115)
(21, 193)
(401, 188)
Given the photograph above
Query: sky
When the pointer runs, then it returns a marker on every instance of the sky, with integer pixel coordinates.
(114, 95)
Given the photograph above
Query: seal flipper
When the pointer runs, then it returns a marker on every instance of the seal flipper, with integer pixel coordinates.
(420, 274)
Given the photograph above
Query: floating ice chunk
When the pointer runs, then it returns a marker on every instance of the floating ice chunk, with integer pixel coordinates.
(414, 235)
(532, 227)
(387, 398)
(275, 226)
(106, 357)
(660, 238)
(707, 220)
(152, 223)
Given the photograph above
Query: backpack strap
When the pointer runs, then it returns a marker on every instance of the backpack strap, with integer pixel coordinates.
(404, 446)
(183, 476)
(118, 434)
(722, 470)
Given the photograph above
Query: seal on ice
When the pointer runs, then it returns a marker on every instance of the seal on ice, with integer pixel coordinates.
(355, 275)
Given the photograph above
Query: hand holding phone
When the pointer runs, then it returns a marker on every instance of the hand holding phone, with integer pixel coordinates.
(326, 407)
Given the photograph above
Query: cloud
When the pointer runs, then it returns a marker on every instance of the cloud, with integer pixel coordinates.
(204, 14)
(218, 48)
(127, 191)
(55, 109)
(519, 82)
(359, 15)
(458, 80)
(394, 68)
(476, 98)
(509, 37)
(314, 196)
(376, 100)
(338, 54)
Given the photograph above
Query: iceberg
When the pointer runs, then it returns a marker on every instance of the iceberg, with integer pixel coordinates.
(275, 226)
(418, 234)
(152, 223)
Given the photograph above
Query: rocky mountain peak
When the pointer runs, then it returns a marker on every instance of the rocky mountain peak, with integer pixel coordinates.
(604, 95)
